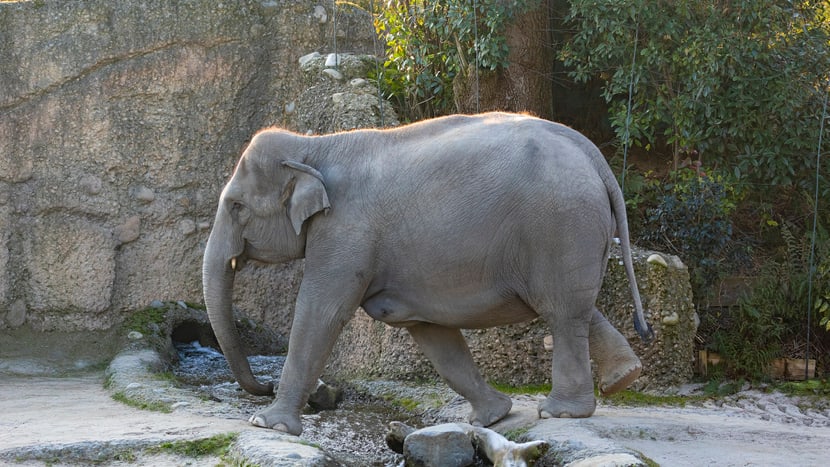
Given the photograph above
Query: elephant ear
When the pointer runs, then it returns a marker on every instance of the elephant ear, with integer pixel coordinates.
(308, 196)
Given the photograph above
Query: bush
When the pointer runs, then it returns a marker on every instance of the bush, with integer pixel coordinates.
(429, 43)
(771, 321)
(740, 81)
(691, 219)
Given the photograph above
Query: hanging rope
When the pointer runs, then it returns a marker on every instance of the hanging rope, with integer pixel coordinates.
(812, 261)
(378, 68)
(475, 46)
(627, 130)
(334, 35)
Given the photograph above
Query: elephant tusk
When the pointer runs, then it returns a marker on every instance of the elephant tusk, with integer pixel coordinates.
(233, 263)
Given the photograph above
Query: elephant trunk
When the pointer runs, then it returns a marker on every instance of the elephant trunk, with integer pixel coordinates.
(217, 280)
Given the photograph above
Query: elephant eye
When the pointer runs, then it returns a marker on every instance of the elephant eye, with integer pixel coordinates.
(240, 212)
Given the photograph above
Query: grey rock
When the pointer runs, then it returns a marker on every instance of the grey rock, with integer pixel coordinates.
(325, 397)
(16, 315)
(446, 445)
(145, 194)
(129, 230)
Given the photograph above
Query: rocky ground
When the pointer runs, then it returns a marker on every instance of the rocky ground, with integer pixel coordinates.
(73, 419)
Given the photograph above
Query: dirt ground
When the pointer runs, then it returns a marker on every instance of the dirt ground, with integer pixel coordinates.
(50, 412)
(751, 428)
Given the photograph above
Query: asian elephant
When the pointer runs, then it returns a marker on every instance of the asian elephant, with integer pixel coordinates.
(456, 222)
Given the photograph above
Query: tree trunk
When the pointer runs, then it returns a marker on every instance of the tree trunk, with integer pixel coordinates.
(525, 85)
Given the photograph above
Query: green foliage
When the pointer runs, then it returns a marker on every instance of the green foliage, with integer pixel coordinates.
(740, 81)
(774, 314)
(813, 387)
(429, 43)
(691, 219)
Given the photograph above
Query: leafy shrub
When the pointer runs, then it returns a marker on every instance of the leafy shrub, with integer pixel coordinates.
(741, 81)
(691, 219)
(429, 43)
(773, 317)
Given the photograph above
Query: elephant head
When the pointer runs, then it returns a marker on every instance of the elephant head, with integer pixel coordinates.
(262, 215)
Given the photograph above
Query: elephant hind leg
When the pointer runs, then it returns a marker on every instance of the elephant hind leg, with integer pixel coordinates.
(572, 386)
(617, 365)
(447, 350)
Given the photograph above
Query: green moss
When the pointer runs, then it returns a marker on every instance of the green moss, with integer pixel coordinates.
(527, 389)
(141, 320)
(516, 434)
(141, 404)
(639, 399)
(813, 387)
(217, 445)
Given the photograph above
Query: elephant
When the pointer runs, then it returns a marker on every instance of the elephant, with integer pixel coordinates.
(457, 222)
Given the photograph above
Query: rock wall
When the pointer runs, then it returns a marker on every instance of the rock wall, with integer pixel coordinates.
(516, 355)
(119, 124)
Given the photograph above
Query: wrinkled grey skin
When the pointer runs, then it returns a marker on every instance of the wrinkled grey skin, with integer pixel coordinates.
(457, 222)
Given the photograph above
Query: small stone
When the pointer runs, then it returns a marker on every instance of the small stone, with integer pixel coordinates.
(156, 304)
(134, 386)
(179, 404)
(397, 433)
(135, 335)
(129, 230)
(547, 342)
(333, 74)
(16, 315)
(333, 60)
(357, 82)
(321, 14)
(671, 319)
(305, 59)
(145, 194)
(658, 260)
(91, 184)
(187, 226)
(325, 397)
(290, 107)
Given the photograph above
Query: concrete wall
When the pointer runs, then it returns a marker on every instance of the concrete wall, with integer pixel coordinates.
(119, 124)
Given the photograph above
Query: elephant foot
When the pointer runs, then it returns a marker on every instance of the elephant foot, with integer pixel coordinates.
(491, 410)
(553, 407)
(276, 420)
(619, 374)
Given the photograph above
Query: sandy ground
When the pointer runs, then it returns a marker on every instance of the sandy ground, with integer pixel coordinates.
(750, 429)
(49, 412)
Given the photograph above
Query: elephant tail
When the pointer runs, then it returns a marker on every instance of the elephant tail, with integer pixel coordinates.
(615, 195)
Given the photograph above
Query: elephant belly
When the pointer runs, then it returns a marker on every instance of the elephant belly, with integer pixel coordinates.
(481, 310)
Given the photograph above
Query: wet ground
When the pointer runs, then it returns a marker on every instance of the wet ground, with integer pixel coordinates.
(353, 433)
(72, 420)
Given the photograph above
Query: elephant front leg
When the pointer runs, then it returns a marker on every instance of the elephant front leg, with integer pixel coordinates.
(448, 352)
(313, 333)
(617, 365)
(572, 387)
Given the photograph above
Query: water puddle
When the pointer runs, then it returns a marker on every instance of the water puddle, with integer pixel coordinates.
(353, 433)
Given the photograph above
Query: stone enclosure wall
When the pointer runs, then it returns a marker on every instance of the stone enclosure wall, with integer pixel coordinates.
(119, 124)
(121, 121)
